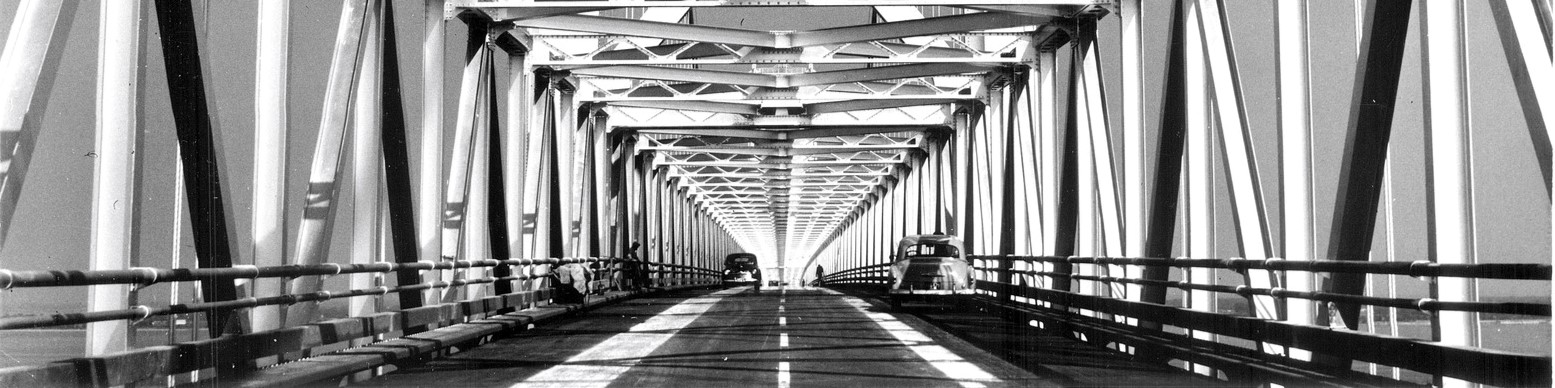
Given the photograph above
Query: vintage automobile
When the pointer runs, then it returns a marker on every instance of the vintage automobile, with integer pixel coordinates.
(740, 270)
(930, 268)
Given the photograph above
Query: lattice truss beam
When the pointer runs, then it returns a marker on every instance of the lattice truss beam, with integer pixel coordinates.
(781, 134)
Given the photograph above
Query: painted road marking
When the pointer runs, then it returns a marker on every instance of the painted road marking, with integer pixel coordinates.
(783, 340)
(602, 364)
(783, 379)
(780, 309)
(782, 321)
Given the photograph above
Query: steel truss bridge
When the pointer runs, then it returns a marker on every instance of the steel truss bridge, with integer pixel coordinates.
(1082, 167)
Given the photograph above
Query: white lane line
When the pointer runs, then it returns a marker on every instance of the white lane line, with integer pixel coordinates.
(783, 340)
(604, 362)
(953, 366)
(782, 321)
(780, 309)
(781, 300)
(783, 379)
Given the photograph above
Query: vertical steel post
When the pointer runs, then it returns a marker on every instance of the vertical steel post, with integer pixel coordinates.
(366, 162)
(520, 97)
(1086, 187)
(1009, 180)
(1133, 125)
(429, 193)
(1449, 148)
(270, 110)
(1111, 224)
(114, 173)
(1295, 154)
(1048, 134)
(1200, 174)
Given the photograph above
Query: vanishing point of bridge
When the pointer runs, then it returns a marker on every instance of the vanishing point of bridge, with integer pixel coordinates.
(541, 193)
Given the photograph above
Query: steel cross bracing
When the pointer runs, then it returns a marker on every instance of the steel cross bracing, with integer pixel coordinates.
(744, 123)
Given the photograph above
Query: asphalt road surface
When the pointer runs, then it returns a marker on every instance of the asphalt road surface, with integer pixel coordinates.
(742, 337)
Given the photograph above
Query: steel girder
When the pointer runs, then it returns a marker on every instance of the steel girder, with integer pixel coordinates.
(779, 138)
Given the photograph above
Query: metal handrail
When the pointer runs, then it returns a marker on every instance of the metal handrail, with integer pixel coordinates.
(1508, 271)
(147, 276)
(1422, 304)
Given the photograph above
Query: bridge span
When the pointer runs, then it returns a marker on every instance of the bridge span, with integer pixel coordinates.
(545, 192)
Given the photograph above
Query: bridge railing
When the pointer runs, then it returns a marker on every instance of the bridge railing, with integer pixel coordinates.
(1042, 289)
(871, 274)
(224, 356)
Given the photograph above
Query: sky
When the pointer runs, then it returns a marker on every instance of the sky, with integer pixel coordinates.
(51, 229)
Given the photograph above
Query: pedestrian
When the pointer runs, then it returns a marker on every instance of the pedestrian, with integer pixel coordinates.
(819, 273)
(633, 268)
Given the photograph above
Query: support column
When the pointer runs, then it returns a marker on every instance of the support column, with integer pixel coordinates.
(1048, 132)
(366, 163)
(270, 110)
(1449, 146)
(113, 183)
(520, 97)
(1295, 154)
(1133, 125)
(429, 174)
(1199, 177)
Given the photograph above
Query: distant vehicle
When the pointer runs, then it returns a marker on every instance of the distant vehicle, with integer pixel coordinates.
(929, 268)
(740, 270)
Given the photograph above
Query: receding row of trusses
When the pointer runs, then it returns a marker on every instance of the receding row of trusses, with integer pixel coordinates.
(782, 135)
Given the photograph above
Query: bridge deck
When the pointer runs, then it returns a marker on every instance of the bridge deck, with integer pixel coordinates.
(793, 336)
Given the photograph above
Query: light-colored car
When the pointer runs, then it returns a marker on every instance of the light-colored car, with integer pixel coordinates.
(929, 268)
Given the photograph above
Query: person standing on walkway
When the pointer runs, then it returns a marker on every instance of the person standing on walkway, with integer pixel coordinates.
(633, 269)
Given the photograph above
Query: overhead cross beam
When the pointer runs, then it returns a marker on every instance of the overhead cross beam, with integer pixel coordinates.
(779, 39)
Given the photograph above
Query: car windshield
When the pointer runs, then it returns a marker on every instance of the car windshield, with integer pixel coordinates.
(932, 250)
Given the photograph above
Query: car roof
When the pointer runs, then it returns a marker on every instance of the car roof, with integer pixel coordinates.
(929, 238)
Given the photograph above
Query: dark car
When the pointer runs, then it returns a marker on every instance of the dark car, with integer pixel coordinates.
(740, 269)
